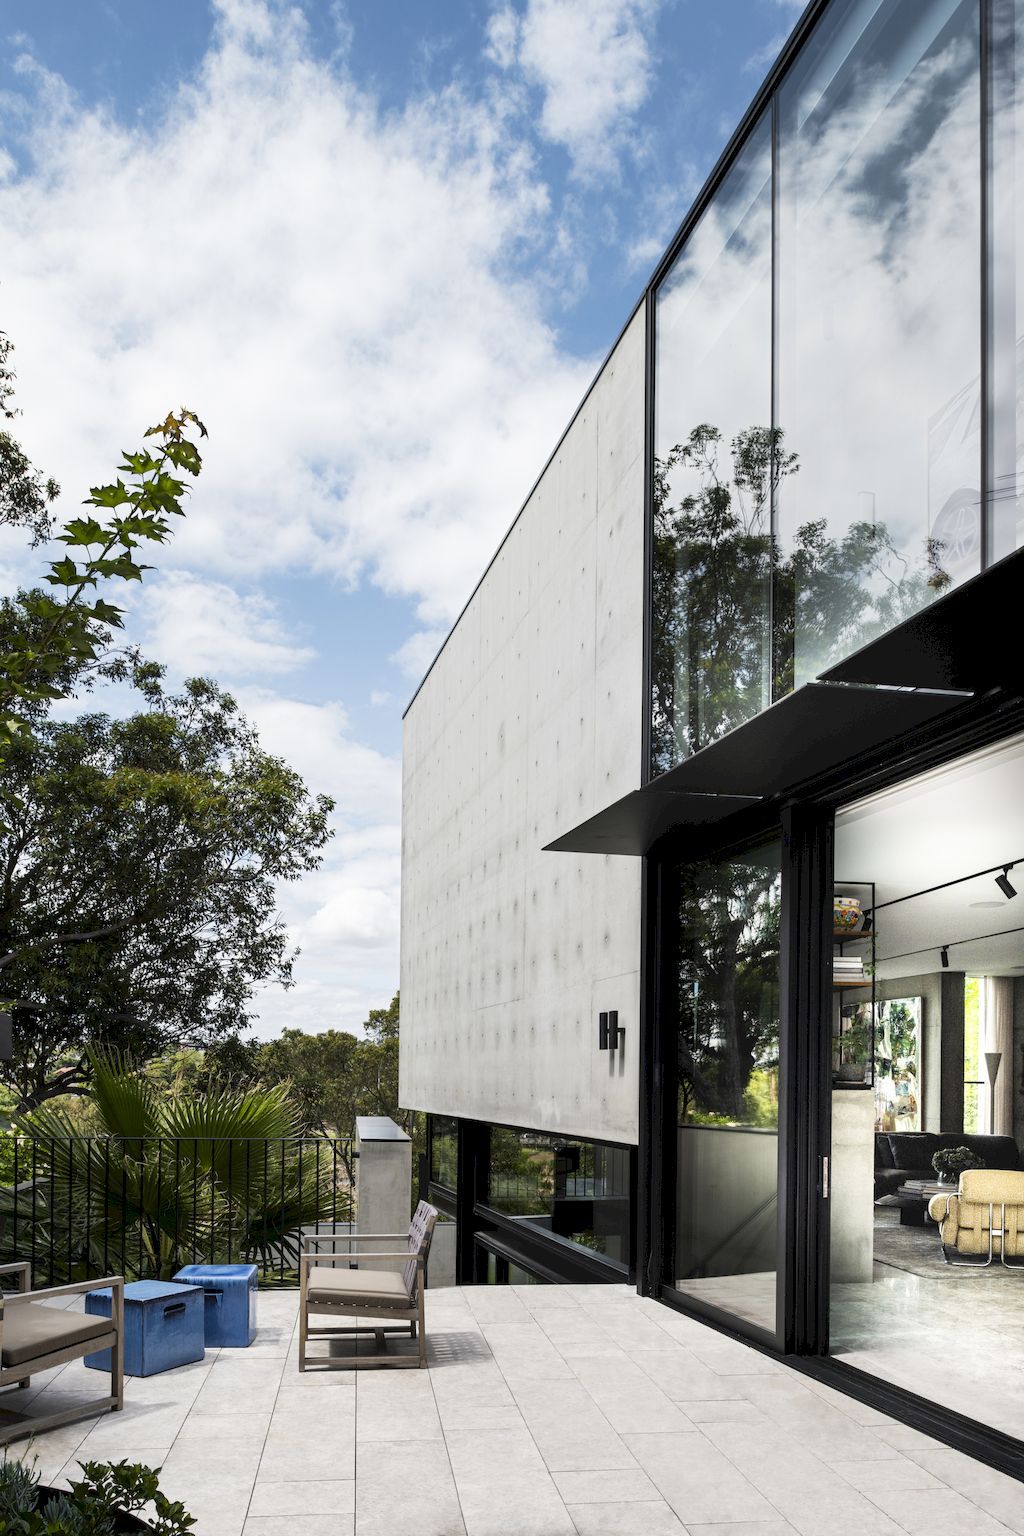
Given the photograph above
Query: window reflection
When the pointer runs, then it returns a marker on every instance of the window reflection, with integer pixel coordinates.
(575, 1190)
(444, 1151)
(878, 344)
(728, 1060)
(714, 454)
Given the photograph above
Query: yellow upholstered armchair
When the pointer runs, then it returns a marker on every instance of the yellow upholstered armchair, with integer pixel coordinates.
(983, 1218)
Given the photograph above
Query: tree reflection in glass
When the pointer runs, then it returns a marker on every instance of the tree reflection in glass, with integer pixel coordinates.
(729, 991)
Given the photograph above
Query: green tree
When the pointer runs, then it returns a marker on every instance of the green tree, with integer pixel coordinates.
(138, 871)
(56, 640)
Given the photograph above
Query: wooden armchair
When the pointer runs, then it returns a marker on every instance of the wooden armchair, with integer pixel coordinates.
(36, 1338)
(328, 1289)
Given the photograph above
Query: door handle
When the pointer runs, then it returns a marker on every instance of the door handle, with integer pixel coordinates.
(824, 1178)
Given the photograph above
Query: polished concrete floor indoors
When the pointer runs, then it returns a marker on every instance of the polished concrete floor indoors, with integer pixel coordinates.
(953, 1335)
(546, 1411)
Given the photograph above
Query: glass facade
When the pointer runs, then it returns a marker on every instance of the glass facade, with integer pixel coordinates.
(839, 363)
(574, 1190)
(878, 350)
(712, 473)
(1006, 279)
(728, 1084)
(444, 1151)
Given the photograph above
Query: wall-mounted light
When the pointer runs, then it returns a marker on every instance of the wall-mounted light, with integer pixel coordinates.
(944, 957)
(609, 1031)
(1003, 882)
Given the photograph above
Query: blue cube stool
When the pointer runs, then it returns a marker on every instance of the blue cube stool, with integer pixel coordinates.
(230, 1306)
(163, 1326)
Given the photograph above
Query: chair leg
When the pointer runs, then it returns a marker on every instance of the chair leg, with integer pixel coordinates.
(422, 1327)
(302, 1330)
(117, 1350)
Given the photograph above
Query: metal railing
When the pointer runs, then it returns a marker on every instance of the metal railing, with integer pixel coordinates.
(80, 1207)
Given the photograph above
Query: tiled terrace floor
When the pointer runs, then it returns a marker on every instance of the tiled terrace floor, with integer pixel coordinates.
(546, 1411)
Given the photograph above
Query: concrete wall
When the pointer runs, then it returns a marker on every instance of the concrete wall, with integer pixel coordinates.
(529, 722)
(852, 1186)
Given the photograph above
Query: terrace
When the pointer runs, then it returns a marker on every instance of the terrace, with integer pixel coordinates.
(545, 1410)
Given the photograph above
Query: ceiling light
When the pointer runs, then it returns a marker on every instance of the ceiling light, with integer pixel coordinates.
(944, 957)
(1003, 882)
(986, 904)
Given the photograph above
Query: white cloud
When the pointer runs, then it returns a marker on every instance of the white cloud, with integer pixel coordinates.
(415, 656)
(327, 284)
(592, 61)
(344, 917)
(215, 629)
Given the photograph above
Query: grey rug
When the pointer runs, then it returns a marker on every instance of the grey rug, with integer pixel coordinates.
(917, 1251)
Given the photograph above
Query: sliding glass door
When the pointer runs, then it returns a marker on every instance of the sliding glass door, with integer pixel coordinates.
(723, 1038)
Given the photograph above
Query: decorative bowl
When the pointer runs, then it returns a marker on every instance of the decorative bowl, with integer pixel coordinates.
(846, 913)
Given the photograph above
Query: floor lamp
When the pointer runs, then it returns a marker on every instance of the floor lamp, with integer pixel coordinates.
(992, 1060)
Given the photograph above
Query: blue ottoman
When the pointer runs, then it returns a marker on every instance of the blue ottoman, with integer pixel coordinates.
(163, 1326)
(230, 1306)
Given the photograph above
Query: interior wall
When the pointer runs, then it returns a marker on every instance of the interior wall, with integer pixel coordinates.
(529, 722)
(1017, 1064)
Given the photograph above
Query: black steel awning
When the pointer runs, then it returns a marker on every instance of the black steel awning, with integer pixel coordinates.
(969, 639)
(807, 734)
(633, 823)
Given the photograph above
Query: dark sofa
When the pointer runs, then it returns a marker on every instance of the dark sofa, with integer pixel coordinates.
(902, 1155)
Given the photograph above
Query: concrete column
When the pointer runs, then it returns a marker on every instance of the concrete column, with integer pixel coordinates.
(852, 1186)
(952, 1064)
(383, 1176)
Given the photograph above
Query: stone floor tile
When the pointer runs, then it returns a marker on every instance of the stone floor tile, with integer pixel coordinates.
(389, 1475)
(840, 1514)
(887, 1476)
(648, 1519)
(502, 1505)
(721, 1410)
(699, 1482)
(303, 1498)
(745, 1528)
(299, 1525)
(938, 1512)
(992, 1491)
(248, 1427)
(598, 1487)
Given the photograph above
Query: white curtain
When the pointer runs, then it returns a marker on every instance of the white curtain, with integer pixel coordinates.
(997, 1035)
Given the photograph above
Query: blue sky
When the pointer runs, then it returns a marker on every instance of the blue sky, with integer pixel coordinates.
(381, 249)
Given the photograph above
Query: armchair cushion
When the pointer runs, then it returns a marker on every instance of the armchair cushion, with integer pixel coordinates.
(31, 1331)
(372, 1288)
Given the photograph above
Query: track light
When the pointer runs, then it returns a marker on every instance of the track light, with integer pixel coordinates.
(944, 956)
(1003, 882)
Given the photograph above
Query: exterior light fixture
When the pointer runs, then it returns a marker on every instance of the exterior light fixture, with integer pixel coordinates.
(609, 1031)
(1003, 882)
(944, 956)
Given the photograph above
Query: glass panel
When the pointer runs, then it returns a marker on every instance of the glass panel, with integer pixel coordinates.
(444, 1151)
(1006, 307)
(575, 1190)
(926, 1202)
(728, 1144)
(878, 353)
(712, 493)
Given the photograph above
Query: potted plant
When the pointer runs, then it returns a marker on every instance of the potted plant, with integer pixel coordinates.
(950, 1162)
(104, 1502)
(852, 1050)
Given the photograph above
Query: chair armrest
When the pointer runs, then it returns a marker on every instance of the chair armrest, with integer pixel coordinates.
(941, 1207)
(308, 1259)
(315, 1238)
(114, 1283)
(22, 1268)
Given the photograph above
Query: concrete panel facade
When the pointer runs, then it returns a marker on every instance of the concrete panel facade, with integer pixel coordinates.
(530, 721)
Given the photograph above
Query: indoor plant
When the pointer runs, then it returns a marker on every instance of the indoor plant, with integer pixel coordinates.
(950, 1162)
(104, 1502)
